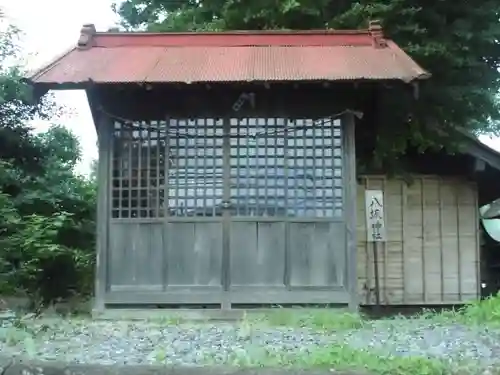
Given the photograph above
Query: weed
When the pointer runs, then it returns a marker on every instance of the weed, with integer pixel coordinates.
(338, 358)
(318, 319)
(486, 311)
(168, 320)
(479, 312)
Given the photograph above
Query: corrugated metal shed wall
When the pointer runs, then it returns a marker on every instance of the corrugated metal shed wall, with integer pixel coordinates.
(432, 252)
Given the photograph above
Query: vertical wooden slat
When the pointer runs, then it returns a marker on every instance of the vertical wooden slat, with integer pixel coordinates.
(422, 248)
(338, 171)
(277, 181)
(197, 176)
(441, 247)
(203, 123)
(257, 254)
(104, 129)
(140, 168)
(158, 155)
(266, 158)
(467, 242)
(296, 211)
(478, 240)
(286, 160)
(131, 170)
(459, 248)
(350, 206)
(150, 209)
(368, 260)
(122, 165)
(286, 165)
(450, 240)
(250, 184)
(163, 190)
(178, 131)
(314, 166)
(384, 245)
(226, 192)
(403, 247)
(324, 186)
(236, 168)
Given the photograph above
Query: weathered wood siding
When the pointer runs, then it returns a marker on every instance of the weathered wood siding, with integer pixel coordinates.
(432, 252)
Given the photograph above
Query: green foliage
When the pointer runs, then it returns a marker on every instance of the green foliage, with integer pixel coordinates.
(345, 358)
(329, 319)
(485, 312)
(47, 236)
(456, 40)
(47, 212)
(334, 358)
(94, 170)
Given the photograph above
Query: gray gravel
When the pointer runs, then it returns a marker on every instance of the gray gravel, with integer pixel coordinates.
(81, 341)
(453, 343)
(143, 342)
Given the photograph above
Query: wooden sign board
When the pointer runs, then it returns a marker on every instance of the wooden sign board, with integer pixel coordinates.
(375, 220)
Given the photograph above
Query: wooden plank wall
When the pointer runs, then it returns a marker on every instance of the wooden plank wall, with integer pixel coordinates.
(431, 256)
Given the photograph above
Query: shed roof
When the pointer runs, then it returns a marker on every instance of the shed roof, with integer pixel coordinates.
(249, 56)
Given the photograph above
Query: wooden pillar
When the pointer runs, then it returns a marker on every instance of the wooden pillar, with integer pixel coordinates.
(350, 194)
(104, 133)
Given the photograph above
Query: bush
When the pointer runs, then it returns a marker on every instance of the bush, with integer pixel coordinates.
(47, 232)
(38, 264)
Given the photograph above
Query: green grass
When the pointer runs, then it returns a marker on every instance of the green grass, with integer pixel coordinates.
(344, 358)
(339, 358)
(481, 312)
(318, 319)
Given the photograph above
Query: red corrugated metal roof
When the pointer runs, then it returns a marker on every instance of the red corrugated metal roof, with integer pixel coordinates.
(230, 57)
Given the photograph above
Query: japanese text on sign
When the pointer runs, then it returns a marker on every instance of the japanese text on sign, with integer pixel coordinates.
(375, 223)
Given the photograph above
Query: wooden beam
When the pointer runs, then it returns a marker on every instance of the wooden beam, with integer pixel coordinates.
(104, 131)
(350, 193)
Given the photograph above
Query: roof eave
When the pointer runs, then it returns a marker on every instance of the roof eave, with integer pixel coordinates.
(85, 84)
(479, 150)
(33, 74)
(425, 75)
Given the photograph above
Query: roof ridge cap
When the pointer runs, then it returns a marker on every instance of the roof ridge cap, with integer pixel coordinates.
(117, 32)
(377, 33)
(87, 34)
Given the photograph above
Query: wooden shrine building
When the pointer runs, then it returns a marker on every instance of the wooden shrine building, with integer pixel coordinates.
(227, 172)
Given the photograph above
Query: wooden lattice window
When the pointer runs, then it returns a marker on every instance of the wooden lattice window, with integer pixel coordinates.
(276, 167)
(195, 174)
(138, 169)
(286, 167)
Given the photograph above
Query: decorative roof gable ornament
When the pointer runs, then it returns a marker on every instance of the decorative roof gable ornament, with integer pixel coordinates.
(377, 33)
(86, 36)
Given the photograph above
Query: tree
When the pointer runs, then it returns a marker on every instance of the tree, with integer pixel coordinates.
(47, 212)
(94, 166)
(16, 106)
(456, 40)
(49, 240)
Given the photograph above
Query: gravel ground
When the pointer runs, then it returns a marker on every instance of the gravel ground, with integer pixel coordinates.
(450, 342)
(116, 342)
